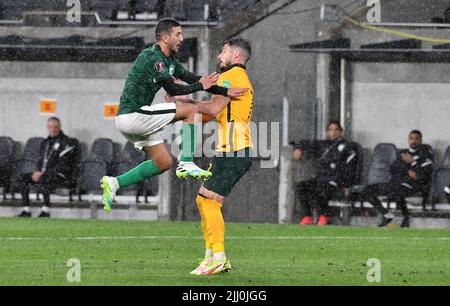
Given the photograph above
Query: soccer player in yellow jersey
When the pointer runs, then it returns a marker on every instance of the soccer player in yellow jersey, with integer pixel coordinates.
(233, 158)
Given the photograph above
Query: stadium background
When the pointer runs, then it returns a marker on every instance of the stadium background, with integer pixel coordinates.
(380, 87)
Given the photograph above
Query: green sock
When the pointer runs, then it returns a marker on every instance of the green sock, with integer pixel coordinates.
(139, 173)
(188, 142)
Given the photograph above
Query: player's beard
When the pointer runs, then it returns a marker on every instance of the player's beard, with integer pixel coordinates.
(174, 49)
(224, 65)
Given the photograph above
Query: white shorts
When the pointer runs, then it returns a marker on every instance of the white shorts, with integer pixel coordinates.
(144, 128)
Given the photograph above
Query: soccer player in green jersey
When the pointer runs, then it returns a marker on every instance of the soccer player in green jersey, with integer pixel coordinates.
(142, 122)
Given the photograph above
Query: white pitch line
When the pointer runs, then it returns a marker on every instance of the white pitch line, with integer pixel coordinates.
(229, 237)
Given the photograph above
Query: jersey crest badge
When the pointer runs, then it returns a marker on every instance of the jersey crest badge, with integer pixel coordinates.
(160, 66)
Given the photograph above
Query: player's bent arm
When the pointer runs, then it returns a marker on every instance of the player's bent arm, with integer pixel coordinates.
(212, 108)
(217, 104)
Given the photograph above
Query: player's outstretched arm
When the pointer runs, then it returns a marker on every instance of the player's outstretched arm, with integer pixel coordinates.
(191, 78)
(211, 108)
(174, 89)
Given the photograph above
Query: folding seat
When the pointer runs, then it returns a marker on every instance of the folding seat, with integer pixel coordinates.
(383, 156)
(129, 159)
(100, 162)
(103, 150)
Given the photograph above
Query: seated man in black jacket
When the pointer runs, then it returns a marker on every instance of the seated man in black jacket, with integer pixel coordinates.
(411, 172)
(55, 165)
(336, 161)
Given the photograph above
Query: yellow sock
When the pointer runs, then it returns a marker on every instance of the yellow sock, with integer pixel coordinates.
(200, 201)
(215, 226)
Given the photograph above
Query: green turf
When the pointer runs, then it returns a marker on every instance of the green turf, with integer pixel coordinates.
(261, 254)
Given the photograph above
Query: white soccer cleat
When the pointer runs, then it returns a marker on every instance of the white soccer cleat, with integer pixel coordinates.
(217, 267)
(186, 169)
(203, 265)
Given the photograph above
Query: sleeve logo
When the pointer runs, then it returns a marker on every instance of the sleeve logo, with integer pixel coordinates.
(160, 66)
(226, 84)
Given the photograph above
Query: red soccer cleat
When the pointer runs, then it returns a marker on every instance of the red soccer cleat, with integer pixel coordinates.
(307, 221)
(323, 220)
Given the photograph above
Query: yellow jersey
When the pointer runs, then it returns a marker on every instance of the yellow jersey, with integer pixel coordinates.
(234, 120)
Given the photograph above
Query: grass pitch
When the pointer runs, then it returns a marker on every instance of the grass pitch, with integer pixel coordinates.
(35, 252)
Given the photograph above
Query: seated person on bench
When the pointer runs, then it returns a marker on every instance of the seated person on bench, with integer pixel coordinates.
(411, 172)
(335, 165)
(55, 165)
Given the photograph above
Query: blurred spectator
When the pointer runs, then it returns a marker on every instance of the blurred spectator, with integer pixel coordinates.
(411, 172)
(56, 157)
(335, 165)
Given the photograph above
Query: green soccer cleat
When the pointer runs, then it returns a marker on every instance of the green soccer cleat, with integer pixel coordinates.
(109, 187)
(217, 267)
(186, 169)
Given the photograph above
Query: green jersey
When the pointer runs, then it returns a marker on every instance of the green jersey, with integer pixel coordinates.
(144, 78)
